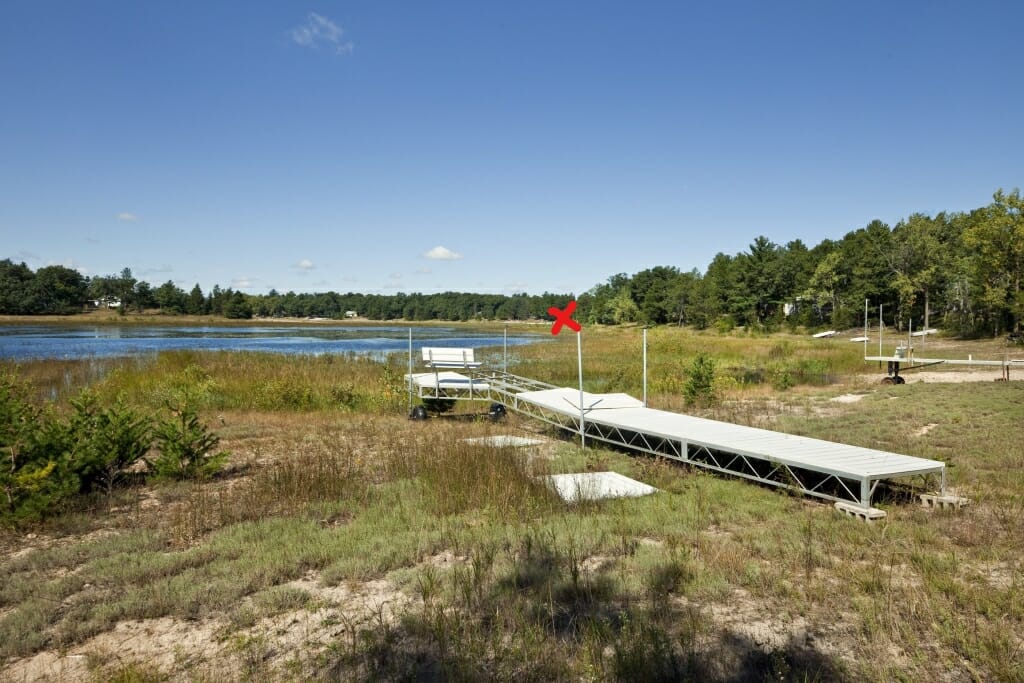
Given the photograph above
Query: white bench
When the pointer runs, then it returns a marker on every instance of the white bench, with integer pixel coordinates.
(442, 357)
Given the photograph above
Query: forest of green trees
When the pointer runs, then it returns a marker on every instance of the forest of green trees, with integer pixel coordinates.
(958, 271)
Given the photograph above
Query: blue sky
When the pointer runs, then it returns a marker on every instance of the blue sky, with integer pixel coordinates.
(380, 146)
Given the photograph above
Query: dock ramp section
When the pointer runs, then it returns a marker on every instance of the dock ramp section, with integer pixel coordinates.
(816, 467)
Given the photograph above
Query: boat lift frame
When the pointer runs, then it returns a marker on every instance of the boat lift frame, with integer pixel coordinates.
(903, 357)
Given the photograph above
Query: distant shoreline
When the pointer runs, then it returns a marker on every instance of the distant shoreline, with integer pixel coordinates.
(109, 317)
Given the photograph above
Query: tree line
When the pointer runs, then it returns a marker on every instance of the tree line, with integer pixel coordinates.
(961, 270)
(58, 290)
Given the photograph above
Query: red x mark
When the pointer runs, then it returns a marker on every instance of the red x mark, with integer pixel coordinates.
(564, 318)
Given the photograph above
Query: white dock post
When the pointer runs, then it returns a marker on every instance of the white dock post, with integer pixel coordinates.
(505, 347)
(865, 328)
(645, 367)
(880, 325)
(410, 370)
(579, 362)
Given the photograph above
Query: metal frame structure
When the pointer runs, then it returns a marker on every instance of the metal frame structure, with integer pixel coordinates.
(813, 467)
(909, 362)
(903, 355)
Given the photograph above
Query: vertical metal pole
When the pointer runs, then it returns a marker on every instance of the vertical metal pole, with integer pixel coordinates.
(579, 363)
(865, 328)
(645, 367)
(910, 338)
(879, 329)
(505, 364)
(410, 370)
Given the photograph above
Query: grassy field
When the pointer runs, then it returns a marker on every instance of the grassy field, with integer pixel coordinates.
(345, 542)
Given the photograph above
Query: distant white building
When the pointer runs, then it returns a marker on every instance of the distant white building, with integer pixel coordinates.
(106, 302)
(351, 314)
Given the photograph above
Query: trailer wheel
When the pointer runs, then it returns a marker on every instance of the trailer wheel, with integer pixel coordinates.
(888, 380)
(496, 412)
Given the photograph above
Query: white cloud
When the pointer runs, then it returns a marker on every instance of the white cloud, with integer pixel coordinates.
(320, 32)
(125, 216)
(29, 256)
(243, 283)
(304, 264)
(441, 254)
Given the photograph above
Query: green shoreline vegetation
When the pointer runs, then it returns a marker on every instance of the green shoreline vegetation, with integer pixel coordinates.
(342, 541)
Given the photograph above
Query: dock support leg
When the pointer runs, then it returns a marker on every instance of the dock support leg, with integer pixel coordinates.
(865, 493)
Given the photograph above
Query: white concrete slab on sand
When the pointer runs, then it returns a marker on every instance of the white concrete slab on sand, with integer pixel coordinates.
(597, 486)
(505, 441)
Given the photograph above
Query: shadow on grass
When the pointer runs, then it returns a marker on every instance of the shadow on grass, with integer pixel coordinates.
(412, 652)
(543, 617)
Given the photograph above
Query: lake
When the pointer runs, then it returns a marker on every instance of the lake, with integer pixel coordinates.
(24, 342)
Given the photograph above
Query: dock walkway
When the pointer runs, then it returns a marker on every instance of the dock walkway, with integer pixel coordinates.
(814, 467)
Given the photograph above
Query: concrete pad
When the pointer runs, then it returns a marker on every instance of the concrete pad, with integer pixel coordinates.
(597, 486)
(505, 441)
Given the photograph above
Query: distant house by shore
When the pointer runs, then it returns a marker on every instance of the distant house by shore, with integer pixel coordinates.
(351, 314)
(106, 302)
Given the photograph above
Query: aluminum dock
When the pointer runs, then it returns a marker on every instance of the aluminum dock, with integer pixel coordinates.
(849, 475)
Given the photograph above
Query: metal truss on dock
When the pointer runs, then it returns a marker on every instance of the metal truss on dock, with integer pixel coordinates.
(813, 467)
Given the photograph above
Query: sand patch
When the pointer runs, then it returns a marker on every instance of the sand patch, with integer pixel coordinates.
(999, 575)
(445, 559)
(372, 597)
(165, 643)
(960, 376)
(847, 398)
(211, 649)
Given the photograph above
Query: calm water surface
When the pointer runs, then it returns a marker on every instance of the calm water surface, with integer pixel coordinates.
(23, 342)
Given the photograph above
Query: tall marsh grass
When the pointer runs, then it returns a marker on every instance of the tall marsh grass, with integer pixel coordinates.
(226, 380)
(613, 361)
(505, 581)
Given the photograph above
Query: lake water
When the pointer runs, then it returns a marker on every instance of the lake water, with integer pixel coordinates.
(23, 342)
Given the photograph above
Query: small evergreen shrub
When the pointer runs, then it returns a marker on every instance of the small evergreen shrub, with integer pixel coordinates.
(34, 477)
(700, 381)
(185, 448)
(104, 442)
